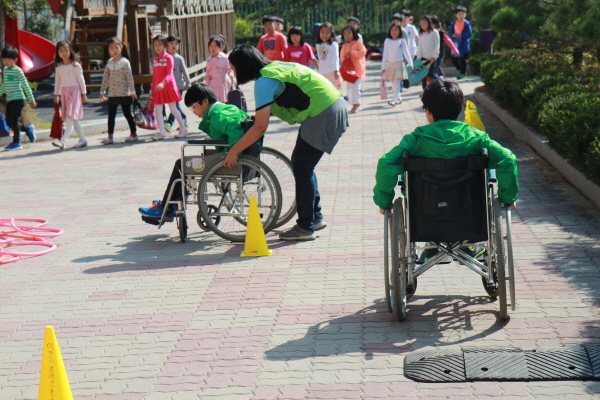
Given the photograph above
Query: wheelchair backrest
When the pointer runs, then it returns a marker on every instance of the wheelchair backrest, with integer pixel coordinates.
(447, 199)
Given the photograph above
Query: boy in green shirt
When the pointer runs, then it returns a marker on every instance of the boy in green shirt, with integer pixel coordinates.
(219, 121)
(17, 90)
(446, 138)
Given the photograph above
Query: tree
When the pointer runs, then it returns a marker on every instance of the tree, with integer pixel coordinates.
(557, 25)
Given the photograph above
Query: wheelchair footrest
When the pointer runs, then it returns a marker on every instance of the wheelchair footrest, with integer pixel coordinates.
(150, 220)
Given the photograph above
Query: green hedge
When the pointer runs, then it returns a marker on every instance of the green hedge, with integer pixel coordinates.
(558, 101)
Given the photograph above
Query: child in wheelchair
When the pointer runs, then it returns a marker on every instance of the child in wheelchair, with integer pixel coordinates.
(220, 122)
(445, 137)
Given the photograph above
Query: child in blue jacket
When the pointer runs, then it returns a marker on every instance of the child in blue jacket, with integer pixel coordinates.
(460, 31)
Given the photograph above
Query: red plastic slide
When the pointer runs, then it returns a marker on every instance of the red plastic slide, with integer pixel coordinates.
(36, 54)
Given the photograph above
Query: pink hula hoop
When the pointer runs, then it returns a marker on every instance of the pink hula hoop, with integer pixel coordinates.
(28, 238)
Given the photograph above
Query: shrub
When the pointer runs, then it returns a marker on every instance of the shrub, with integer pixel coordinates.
(571, 121)
(561, 102)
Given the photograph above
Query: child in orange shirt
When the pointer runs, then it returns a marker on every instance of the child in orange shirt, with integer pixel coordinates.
(273, 44)
(356, 51)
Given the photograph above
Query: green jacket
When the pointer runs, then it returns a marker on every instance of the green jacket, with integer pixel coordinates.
(306, 93)
(446, 139)
(223, 122)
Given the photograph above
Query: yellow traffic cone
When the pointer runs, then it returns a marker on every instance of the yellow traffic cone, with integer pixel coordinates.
(472, 116)
(54, 383)
(256, 242)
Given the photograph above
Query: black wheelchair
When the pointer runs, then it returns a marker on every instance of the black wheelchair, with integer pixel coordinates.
(449, 211)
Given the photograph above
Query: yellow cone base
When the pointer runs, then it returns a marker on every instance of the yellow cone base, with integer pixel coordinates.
(256, 242)
(54, 383)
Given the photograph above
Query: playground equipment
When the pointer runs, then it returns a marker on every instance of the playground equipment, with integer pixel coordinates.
(36, 54)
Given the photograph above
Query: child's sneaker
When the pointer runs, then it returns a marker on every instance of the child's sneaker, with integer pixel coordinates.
(81, 143)
(132, 138)
(30, 132)
(168, 127)
(158, 136)
(107, 140)
(59, 144)
(156, 211)
(14, 146)
(355, 109)
(182, 133)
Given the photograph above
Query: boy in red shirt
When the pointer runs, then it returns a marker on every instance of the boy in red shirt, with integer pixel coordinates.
(273, 44)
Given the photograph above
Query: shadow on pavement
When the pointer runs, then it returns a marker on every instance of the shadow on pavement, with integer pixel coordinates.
(433, 321)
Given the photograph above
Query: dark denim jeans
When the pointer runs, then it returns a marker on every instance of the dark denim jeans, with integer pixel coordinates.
(304, 160)
(171, 118)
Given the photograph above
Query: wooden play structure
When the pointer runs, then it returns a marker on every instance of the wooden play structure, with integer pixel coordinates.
(88, 23)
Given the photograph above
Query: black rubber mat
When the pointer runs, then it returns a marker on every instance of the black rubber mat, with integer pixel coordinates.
(504, 364)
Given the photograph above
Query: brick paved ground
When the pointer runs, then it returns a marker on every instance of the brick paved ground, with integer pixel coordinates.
(139, 315)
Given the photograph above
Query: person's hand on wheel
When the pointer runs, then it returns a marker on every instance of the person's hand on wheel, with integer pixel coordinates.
(230, 160)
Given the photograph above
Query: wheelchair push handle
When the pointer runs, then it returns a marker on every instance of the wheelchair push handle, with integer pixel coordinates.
(209, 142)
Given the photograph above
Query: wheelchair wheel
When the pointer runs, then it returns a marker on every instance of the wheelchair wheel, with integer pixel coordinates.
(399, 270)
(202, 224)
(387, 262)
(500, 259)
(182, 225)
(282, 168)
(224, 197)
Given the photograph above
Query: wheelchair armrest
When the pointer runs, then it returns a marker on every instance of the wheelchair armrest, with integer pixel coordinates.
(404, 157)
(209, 142)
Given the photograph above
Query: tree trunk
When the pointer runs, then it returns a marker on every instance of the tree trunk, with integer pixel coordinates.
(578, 57)
(2, 28)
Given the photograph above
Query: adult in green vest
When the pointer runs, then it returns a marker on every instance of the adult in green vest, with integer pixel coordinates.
(296, 94)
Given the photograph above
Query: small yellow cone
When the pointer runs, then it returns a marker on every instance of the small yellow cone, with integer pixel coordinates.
(472, 116)
(54, 383)
(256, 242)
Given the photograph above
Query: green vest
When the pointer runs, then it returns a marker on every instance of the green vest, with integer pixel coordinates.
(306, 94)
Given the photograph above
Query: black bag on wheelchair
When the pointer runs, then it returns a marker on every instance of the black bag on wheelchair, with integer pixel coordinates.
(447, 199)
(237, 98)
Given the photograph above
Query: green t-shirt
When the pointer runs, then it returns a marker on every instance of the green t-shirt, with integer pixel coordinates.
(15, 85)
(446, 139)
(223, 122)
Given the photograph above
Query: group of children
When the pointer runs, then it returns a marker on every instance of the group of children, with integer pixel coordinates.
(401, 48)
(170, 79)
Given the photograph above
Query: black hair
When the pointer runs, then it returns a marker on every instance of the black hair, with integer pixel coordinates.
(162, 39)
(351, 29)
(444, 99)
(398, 17)
(73, 56)
(10, 52)
(197, 93)
(296, 30)
(124, 51)
(172, 38)
(460, 8)
(278, 19)
(429, 23)
(268, 18)
(354, 19)
(406, 13)
(219, 40)
(326, 25)
(390, 31)
(436, 21)
(248, 62)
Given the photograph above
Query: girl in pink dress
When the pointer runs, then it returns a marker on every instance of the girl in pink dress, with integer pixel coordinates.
(219, 75)
(164, 88)
(70, 90)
